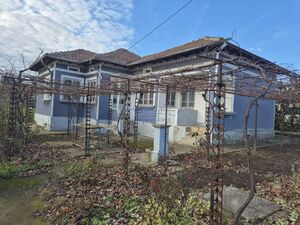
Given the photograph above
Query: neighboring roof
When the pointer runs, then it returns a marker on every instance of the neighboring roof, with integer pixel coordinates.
(202, 42)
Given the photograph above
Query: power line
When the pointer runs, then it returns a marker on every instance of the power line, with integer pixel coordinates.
(106, 17)
(159, 25)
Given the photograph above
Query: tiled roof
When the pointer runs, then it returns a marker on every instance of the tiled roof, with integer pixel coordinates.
(78, 55)
(120, 56)
(124, 57)
(179, 49)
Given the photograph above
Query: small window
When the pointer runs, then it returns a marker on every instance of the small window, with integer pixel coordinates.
(171, 99)
(91, 70)
(147, 70)
(92, 85)
(47, 97)
(229, 103)
(147, 99)
(73, 68)
(114, 99)
(188, 99)
(229, 98)
(69, 83)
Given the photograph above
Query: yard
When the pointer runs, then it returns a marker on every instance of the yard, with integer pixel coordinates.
(55, 183)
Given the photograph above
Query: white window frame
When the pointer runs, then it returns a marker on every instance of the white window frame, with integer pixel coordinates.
(229, 98)
(47, 97)
(74, 68)
(190, 103)
(172, 99)
(88, 82)
(146, 98)
(66, 77)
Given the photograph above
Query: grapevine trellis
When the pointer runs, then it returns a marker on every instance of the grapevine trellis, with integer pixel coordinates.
(209, 76)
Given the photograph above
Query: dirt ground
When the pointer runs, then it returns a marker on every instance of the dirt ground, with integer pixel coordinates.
(269, 161)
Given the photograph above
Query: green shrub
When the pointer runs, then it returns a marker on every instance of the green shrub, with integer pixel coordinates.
(10, 169)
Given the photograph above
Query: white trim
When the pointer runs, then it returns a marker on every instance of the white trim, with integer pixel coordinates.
(45, 72)
(70, 71)
(98, 97)
(53, 96)
(116, 74)
(63, 76)
(47, 97)
(91, 79)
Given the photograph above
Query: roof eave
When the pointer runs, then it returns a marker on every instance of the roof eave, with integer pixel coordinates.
(134, 63)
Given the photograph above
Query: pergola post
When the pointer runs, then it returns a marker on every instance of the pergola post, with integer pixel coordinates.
(216, 210)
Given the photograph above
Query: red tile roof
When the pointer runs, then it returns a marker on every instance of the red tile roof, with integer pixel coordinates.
(124, 57)
(78, 55)
(202, 42)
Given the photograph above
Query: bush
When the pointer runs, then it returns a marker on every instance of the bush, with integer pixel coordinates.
(10, 169)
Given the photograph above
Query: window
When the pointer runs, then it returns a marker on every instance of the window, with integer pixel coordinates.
(171, 99)
(92, 87)
(70, 82)
(91, 70)
(67, 83)
(188, 99)
(73, 68)
(229, 103)
(147, 99)
(114, 99)
(229, 97)
(47, 97)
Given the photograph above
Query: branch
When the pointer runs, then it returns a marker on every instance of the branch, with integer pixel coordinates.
(239, 212)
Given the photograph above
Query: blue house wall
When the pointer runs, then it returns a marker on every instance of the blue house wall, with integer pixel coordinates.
(265, 115)
(43, 107)
(61, 108)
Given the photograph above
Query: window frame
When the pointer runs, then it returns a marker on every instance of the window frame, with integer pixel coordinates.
(74, 68)
(190, 94)
(93, 81)
(228, 96)
(47, 97)
(171, 96)
(146, 98)
(71, 78)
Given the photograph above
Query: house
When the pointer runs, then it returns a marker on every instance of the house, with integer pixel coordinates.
(186, 110)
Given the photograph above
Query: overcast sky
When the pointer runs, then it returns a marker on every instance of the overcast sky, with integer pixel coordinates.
(269, 28)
